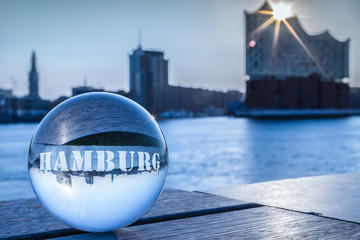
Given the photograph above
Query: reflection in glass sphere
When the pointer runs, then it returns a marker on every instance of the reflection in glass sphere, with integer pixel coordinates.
(98, 161)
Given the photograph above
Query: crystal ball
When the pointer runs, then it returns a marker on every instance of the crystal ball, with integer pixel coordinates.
(98, 161)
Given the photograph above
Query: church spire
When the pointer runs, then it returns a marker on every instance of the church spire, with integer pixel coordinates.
(33, 61)
(33, 79)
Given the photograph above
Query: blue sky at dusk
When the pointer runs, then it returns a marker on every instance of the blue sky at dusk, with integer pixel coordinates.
(203, 40)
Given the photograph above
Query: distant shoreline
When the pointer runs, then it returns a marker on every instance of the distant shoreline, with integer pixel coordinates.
(250, 113)
(296, 113)
(7, 121)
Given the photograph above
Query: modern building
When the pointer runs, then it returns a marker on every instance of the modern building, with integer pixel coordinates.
(33, 79)
(148, 78)
(150, 88)
(291, 69)
(6, 112)
(6, 93)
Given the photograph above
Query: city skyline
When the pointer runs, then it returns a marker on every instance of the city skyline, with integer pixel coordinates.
(92, 40)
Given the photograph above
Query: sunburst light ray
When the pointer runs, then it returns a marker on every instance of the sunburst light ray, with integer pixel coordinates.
(262, 26)
(280, 14)
(306, 49)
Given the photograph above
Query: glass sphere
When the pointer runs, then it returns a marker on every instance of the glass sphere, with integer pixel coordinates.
(98, 161)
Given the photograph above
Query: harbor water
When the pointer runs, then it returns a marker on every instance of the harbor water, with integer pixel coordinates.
(218, 152)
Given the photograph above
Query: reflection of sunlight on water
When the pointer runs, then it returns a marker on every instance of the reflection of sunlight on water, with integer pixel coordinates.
(218, 152)
(239, 151)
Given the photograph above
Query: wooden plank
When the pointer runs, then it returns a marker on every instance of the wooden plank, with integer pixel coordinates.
(27, 218)
(255, 223)
(91, 236)
(335, 196)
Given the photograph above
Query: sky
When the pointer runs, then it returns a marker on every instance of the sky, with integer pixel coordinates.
(202, 39)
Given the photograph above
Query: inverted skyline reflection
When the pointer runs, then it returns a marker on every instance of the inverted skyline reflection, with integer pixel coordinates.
(98, 162)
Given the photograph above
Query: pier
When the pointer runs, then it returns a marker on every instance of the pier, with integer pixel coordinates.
(321, 207)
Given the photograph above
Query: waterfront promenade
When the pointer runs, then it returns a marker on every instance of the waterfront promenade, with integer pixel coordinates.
(322, 207)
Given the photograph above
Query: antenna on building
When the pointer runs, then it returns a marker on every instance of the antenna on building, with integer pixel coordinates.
(139, 38)
(14, 82)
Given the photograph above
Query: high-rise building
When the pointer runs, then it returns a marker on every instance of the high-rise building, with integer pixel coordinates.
(148, 78)
(150, 88)
(33, 79)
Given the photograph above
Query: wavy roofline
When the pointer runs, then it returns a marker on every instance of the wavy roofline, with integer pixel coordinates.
(298, 20)
(326, 31)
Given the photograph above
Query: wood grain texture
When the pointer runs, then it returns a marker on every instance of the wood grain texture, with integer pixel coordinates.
(27, 218)
(255, 223)
(336, 196)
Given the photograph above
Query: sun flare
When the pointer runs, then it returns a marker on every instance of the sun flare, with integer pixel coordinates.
(282, 10)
